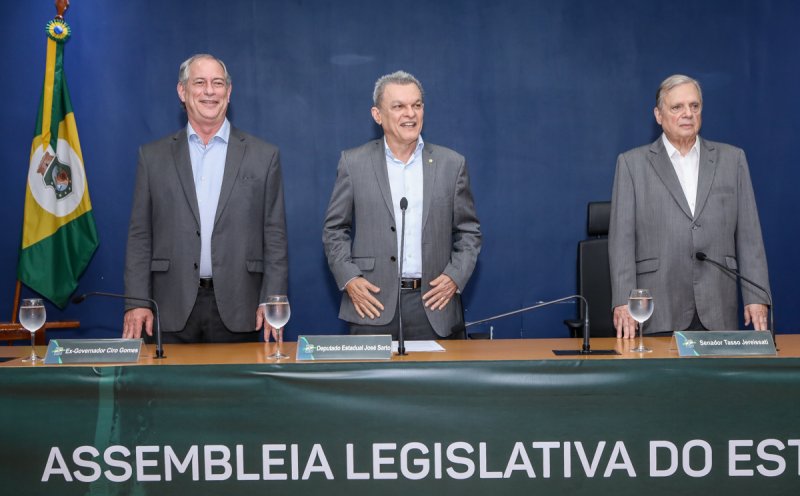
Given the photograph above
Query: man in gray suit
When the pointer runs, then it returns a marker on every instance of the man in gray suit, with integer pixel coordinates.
(442, 233)
(207, 235)
(676, 197)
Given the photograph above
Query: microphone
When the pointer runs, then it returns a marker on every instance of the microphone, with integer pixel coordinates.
(159, 347)
(705, 258)
(585, 349)
(401, 342)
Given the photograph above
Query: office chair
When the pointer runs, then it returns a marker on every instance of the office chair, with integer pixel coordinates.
(594, 278)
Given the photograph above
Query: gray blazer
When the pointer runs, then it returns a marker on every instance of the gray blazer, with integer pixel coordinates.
(653, 236)
(361, 204)
(248, 245)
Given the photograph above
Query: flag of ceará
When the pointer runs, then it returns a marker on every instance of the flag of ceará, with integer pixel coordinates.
(58, 233)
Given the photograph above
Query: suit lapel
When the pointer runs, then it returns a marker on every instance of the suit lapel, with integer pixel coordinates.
(708, 168)
(233, 161)
(428, 180)
(666, 172)
(183, 167)
(382, 174)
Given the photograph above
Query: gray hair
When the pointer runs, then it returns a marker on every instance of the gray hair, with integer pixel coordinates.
(398, 77)
(676, 80)
(183, 72)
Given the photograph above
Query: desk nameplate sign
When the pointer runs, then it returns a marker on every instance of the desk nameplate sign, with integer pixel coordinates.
(378, 347)
(66, 351)
(724, 343)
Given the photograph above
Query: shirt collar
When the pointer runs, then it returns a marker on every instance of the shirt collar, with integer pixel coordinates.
(390, 155)
(671, 150)
(223, 133)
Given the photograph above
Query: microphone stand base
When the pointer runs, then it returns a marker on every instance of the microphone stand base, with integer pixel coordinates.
(582, 352)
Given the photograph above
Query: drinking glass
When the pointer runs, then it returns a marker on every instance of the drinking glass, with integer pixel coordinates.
(640, 305)
(277, 314)
(32, 316)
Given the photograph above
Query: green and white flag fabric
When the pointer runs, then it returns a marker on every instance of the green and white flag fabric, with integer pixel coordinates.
(58, 233)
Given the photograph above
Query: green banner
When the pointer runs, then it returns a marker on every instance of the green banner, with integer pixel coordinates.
(623, 427)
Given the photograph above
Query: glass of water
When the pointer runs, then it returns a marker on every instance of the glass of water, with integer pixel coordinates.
(640, 305)
(278, 313)
(32, 316)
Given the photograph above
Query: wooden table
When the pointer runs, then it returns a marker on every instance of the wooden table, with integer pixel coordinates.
(477, 350)
(495, 417)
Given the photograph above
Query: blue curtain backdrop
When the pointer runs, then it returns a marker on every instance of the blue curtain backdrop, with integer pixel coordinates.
(539, 95)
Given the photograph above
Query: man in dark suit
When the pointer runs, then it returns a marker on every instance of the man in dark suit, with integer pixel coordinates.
(442, 238)
(207, 235)
(673, 198)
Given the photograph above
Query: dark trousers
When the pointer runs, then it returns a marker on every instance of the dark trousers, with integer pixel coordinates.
(695, 325)
(205, 325)
(416, 325)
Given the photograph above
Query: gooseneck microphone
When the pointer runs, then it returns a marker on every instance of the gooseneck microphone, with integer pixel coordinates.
(401, 342)
(705, 258)
(585, 349)
(159, 347)
(545, 304)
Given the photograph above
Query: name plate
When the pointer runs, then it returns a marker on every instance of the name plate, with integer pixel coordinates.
(378, 347)
(724, 343)
(66, 351)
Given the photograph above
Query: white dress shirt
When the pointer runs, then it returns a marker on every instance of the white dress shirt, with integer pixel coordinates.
(687, 167)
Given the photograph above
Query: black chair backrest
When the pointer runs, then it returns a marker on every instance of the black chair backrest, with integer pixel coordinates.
(594, 279)
(598, 215)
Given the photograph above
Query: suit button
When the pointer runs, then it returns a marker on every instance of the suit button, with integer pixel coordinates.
(197, 232)
(393, 258)
(195, 266)
(393, 229)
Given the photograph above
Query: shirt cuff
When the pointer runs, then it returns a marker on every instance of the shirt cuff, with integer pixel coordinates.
(348, 282)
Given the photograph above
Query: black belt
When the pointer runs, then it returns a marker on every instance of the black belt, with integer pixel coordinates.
(207, 283)
(406, 283)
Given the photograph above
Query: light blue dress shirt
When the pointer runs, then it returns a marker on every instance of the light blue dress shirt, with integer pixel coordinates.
(405, 180)
(208, 168)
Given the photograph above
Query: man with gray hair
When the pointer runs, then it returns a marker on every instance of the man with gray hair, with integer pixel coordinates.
(375, 183)
(672, 199)
(207, 235)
